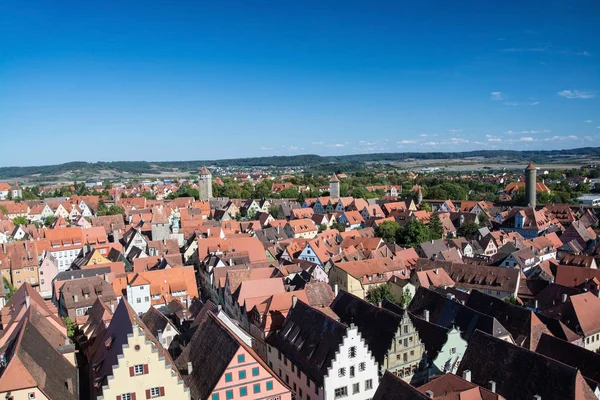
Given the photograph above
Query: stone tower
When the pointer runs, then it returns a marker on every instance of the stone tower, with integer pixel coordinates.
(334, 187)
(205, 184)
(530, 185)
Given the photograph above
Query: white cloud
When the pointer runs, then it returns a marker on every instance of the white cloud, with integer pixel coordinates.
(430, 144)
(535, 103)
(511, 103)
(589, 138)
(316, 143)
(455, 130)
(496, 96)
(336, 145)
(407, 142)
(527, 139)
(266, 148)
(532, 132)
(555, 138)
(588, 121)
(459, 140)
(576, 94)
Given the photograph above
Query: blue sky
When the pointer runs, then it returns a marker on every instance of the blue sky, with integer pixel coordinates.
(183, 80)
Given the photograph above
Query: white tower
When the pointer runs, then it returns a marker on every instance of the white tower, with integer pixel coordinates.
(205, 184)
(334, 187)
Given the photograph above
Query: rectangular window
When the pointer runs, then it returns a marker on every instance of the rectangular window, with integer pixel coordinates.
(241, 358)
(298, 373)
(126, 396)
(352, 371)
(154, 392)
(341, 372)
(355, 388)
(341, 392)
(368, 384)
(228, 377)
(256, 388)
(352, 352)
(269, 385)
(215, 396)
(362, 366)
(255, 371)
(243, 391)
(242, 374)
(229, 394)
(138, 369)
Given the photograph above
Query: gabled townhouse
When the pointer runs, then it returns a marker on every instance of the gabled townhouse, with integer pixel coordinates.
(321, 358)
(240, 301)
(64, 244)
(358, 277)
(4, 190)
(134, 242)
(585, 236)
(32, 367)
(579, 313)
(126, 362)
(156, 288)
(161, 327)
(19, 263)
(351, 219)
(77, 296)
(391, 337)
(528, 222)
(217, 365)
(342, 204)
(301, 228)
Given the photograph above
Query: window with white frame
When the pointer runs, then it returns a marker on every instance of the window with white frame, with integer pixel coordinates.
(154, 392)
(138, 369)
(126, 396)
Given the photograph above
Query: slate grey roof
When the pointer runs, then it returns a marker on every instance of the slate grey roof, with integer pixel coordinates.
(309, 339)
(448, 313)
(376, 325)
(578, 357)
(210, 350)
(520, 373)
(393, 388)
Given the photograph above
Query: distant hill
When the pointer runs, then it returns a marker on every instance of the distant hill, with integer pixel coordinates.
(85, 169)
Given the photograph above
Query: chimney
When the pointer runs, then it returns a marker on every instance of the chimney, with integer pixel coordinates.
(435, 271)
(379, 305)
(27, 301)
(189, 368)
(75, 298)
(335, 290)
(426, 316)
(294, 301)
(564, 298)
(535, 304)
(493, 386)
(429, 394)
(467, 375)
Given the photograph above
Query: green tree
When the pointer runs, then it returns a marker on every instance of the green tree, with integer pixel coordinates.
(262, 190)
(149, 195)
(340, 227)
(290, 193)
(413, 233)
(20, 220)
(112, 210)
(406, 298)
(274, 211)
(468, 228)
(9, 289)
(322, 228)
(387, 231)
(379, 294)
(49, 220)
(435, 227)
(71, 326)
(512, 300)
(426, 207)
